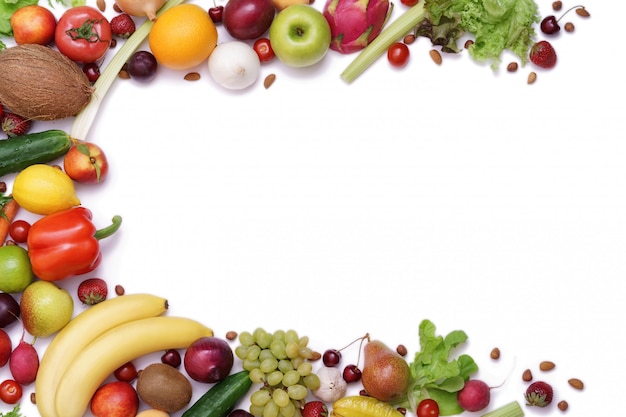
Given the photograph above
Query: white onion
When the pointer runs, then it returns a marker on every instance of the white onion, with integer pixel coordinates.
(234, 65)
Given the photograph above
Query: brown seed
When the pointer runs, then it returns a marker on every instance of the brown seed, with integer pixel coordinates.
(113, 43)
(123, 74)
(532, 77)
(192, 76)
(231, 335)
(116, 8)
(495, 353)
(119, 290)
(402, 410)
(33, 399)
(557, 5)
(409, 39)
(581, 11)
(436, 56)
(547, 366)
(576, 383)
(315, 356)
(562, 405)
(401, 349)
(269, 80)
(527, 375)
(512, 67)
(468, 43)
(102, 6)
(569, 27)
(3, 187)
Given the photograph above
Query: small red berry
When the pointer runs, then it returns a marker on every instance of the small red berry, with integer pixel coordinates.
(543, 54)
(315, 409)
(14, 124)
(123, 25)
(539, 394)
(92, 291)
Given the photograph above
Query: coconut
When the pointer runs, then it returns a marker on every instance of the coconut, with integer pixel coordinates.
(40, 83)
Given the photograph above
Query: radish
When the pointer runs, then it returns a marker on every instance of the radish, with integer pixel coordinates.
(24, 363)
(474, 396)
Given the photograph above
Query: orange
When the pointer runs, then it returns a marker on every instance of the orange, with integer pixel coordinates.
(183, 37)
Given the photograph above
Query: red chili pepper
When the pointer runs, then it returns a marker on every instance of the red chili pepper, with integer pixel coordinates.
(66, 243)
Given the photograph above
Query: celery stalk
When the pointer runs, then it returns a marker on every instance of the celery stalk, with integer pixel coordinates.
(392, 33)
(84, 119)
(511, 409)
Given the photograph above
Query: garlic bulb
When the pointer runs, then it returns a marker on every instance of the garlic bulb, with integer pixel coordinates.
(332, 385)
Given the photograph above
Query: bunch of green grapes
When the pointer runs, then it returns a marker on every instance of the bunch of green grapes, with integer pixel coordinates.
(281, 363)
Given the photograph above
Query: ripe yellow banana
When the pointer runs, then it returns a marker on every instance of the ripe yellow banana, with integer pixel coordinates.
(122, 344)
(363, 406)
(80, 331)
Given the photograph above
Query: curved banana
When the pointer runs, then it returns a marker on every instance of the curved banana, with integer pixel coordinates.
(80, 331)
(122, 344)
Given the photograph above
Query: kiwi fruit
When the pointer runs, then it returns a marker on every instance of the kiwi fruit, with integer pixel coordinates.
(163, 387)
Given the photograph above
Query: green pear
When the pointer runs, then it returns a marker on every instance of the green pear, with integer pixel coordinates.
(45, 308)
(385, 374)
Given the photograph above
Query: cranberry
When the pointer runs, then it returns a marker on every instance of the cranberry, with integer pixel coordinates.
(331, 357)
(351, 373)
(171, 357)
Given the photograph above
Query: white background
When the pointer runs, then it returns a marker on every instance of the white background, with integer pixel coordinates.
(447, 192)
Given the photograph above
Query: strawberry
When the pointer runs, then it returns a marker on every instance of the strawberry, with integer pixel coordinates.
(539, 394)
(14, 124)
(123, 25)
(543, 54)
(92, 291)
(315, 409)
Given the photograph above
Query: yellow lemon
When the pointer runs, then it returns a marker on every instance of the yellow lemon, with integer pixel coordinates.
(183, 37)
(44, 189)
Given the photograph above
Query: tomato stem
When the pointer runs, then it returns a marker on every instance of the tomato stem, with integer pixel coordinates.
(86, 32)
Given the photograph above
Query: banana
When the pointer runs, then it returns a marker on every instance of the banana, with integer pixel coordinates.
(80, 331)
(363, 406)
(282, 4)
(122, 344)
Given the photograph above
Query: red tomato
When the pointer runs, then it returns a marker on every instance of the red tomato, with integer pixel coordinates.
(398, 54)
(19, 230)
(263, 49)
(83, 34)
(10, 391)
(428, 408)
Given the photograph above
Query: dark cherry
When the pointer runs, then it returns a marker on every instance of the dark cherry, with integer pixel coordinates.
(351, 373)
(92, 71)
(216, 13)
(331, 357)
(127, 372)
(171, 357)
(550, 25)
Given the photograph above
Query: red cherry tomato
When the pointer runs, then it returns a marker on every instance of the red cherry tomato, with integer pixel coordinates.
(398, 54)
(263, 49)
(428, 408)
(10, 391)
(409, 3)
(19, 230)
(83, 34)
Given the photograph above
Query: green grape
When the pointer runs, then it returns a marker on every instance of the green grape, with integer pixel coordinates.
(253, 353)
(285, 365)
(278, 349)
(271, 409)
(246, 338)
(266, 354)
(241, 351)
(295, 362)
(274, 378)
(279, 335)
(304, 341)
(256, 410)
(262, 338)
(305, 368)
(269, 365)
(291, 336)
(306, 353)
(297, 392)
(281, 398)
(289, 410)
(292, 350)
(257, 375)
(312, 381)
(249, 365)
(260, 397)
(291, 378)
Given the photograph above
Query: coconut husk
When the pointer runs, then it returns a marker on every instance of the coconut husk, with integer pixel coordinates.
(39, 83)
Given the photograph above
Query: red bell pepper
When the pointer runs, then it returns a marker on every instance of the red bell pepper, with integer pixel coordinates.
(66, 243)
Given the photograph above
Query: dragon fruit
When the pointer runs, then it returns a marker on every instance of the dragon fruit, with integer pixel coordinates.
(354, 23)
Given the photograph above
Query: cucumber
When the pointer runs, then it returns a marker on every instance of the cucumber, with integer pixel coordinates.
(19, 152)
(222, 397)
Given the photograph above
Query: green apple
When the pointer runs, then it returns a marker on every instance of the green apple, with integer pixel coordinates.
(300, 35)
(45, 308)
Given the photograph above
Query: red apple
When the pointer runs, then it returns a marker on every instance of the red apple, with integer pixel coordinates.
(86, 162)
(115, 399)
(33, 24)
